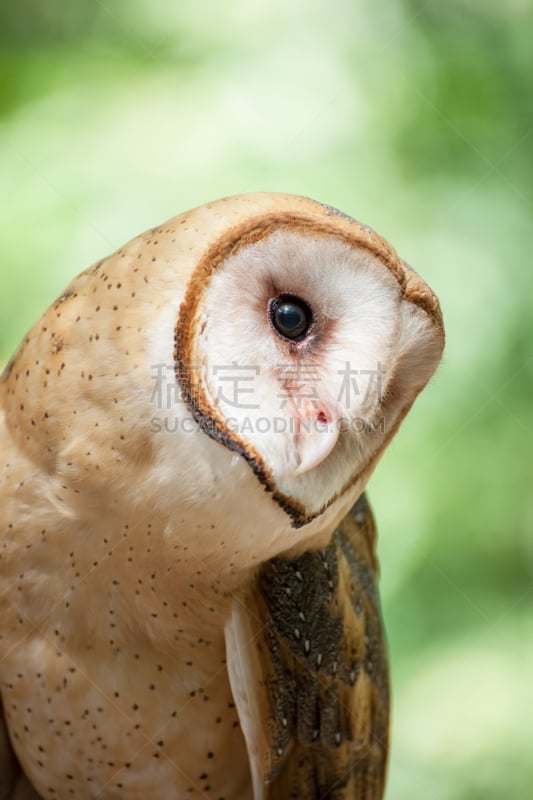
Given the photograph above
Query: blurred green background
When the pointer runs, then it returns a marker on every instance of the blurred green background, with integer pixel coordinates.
(417, 118)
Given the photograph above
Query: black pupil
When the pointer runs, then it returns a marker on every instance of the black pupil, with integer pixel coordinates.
(291, 317)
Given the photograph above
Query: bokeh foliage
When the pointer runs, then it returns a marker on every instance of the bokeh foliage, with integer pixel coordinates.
(415, 117)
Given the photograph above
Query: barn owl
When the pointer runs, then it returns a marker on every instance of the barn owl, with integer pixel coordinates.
(187, 562)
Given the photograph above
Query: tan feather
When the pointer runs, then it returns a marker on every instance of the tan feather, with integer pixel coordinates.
(13, 784)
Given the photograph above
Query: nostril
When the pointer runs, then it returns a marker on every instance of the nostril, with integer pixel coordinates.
(322, 418)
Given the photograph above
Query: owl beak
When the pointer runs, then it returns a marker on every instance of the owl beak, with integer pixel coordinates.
(316, 437)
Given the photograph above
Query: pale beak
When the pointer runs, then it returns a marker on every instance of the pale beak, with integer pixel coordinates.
(316, 436)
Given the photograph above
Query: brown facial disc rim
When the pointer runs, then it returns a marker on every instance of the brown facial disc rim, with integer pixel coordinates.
(253, 230)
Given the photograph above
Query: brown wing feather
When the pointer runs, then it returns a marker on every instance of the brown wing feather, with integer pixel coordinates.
(315, 641)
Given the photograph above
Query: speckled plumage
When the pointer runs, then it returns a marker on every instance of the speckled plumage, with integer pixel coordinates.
(147, 638)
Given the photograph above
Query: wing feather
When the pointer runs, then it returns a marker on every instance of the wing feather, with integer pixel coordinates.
(311, 684)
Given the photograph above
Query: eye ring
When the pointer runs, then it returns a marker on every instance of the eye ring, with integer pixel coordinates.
(291, 317)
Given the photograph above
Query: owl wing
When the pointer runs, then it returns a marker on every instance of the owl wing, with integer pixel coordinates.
(308, 668)
(13, 784)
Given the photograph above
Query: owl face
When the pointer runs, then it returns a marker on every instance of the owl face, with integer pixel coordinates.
(298, 350)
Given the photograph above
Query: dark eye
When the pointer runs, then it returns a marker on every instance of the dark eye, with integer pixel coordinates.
(291, 317)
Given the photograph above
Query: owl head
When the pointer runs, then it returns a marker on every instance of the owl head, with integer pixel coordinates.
(250, 359)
